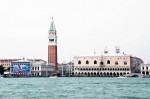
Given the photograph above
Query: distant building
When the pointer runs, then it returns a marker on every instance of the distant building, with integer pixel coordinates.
(136, 64)
(106, 65)
(7, 62)
(37, 68)
(69, 69)
(66, 69)
(47, 70)
(145, 69)
(20, 68)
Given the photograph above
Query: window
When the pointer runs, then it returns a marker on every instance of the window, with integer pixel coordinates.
(147, 73)
(95, 62)
(146, 68)
(87, 62)
(125, 63)
(102, 63)
(79, 62)
(143, 68)
(108, 62)
(116, 63)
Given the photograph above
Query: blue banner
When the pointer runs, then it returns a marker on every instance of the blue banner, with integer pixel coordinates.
(20, 69)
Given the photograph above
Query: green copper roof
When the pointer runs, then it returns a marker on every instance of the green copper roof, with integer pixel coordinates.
(52, 27)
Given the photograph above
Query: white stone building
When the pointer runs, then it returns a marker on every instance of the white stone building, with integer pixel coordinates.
(145, 69)
(66, 69)
(37, 68)
(41, 69)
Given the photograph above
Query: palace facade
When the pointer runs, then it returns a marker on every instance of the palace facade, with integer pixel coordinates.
(106, 65)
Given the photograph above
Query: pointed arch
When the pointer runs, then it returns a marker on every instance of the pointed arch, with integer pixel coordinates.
(79, 62)
(85, 73)
(95, 62)
(87, 62)
(108, 62)
(102, 63)
(125, 62)
(116, 63)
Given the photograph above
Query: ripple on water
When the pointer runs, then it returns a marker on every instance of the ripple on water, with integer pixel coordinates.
(76, 87)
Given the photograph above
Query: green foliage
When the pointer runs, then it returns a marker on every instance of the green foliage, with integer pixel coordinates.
(1, 70)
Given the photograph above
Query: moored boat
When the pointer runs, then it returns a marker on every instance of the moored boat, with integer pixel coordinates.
(121, 77)
(53, 77)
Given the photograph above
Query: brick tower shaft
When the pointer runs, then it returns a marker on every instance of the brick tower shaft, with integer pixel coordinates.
(52, 56)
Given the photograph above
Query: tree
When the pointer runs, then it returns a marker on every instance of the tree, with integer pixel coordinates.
(1, 70)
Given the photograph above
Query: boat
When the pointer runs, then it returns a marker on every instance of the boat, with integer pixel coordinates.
(121, 77)
(53, 77)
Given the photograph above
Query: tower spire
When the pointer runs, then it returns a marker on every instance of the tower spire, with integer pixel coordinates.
(52, 27)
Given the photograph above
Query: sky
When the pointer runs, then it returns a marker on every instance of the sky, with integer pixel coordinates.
(83, 26)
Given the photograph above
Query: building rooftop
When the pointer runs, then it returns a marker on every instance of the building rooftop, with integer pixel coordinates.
(104, 54)
(23, 60)
(116, 54)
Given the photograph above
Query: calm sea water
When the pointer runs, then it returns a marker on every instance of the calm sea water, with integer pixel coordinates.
(75, 88)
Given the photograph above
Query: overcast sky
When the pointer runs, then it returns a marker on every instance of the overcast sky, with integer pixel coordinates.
(82, 27)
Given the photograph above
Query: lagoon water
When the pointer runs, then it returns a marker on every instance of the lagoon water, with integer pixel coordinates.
(75, 88)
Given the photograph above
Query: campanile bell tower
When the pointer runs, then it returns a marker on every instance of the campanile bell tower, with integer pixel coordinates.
(52, 46)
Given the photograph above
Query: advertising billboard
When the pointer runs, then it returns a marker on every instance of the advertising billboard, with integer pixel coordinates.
(20, 69)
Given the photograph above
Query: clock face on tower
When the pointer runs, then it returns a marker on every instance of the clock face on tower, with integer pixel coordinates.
(51, 40)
